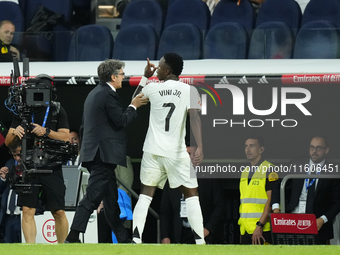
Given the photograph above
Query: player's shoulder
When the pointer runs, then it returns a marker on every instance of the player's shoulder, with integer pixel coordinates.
(180, 84)
(151, 85)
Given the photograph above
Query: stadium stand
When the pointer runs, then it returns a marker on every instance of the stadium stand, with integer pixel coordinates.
(184, 39)
(146, 12)
(50, 40)
(194, 12)
(91, 43)
(229, 11)
(135, 42)
(271, 40)
(226, 40)
(317, 39)
(322, 10)
(287, 11)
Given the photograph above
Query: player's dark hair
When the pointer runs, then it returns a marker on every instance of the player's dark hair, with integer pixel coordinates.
(109, 67)
(175, 62)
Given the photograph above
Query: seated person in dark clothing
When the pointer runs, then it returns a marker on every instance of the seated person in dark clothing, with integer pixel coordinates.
(7, 51)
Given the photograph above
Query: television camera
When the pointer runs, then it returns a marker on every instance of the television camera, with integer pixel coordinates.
(38, 154)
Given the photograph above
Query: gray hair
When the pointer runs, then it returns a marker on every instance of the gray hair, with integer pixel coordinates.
(109, 67)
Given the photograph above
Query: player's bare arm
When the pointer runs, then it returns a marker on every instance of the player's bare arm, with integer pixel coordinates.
(195, 123)
(148, 72)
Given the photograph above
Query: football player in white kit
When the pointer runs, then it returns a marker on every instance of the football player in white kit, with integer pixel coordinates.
(165, 155)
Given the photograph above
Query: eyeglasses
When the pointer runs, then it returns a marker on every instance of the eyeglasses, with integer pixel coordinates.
(317, 148)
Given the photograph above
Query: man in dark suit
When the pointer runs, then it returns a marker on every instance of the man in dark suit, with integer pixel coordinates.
(103, 148)
(9, 211)
(316, 196)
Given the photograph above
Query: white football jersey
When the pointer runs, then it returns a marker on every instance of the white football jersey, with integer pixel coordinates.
(170, 102)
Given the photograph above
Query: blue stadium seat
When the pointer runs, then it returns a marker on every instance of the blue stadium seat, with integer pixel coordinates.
(146, 12)
(227, 40)
(317, 40)
(170, 2)
(22, 5)
(287, 11)
(136, 42)
(184, 39)
(81, 3)
(61, 6)
(229, 11)
(322, 10)
(12, 12)
(194, 12)
(91, 43)
(41, 47)
(271, 40)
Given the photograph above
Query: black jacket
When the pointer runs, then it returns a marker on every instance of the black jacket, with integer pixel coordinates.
(103, 127)
(327, 199)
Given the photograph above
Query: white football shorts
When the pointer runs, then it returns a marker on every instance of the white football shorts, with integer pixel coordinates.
(156, 169)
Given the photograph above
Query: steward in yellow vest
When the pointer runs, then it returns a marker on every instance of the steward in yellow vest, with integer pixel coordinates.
(256, 185)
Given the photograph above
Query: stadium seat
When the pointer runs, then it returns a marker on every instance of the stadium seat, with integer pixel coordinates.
(227, 40)
(91, 43)
(45, 45)
(22, 5)
(194, 12)
(271, 40)
(170, 2)
(322, 10)
(184, 39)
(61, 6)
(81, 3)
(229, 11)
(145, 12)
(287, 11)
(317, 40)
(12, 12)
(136, 42)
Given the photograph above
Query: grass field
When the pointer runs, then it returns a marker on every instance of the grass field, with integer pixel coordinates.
(110, 249)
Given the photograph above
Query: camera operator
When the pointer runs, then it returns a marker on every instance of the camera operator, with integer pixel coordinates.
(49, 122)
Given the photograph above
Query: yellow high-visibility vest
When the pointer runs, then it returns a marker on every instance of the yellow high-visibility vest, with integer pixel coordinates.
(253, 199)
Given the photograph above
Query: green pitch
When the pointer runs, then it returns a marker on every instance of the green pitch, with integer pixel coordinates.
(111, 249)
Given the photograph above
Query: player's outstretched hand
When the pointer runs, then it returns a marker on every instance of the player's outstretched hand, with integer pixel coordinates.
(149, 69)
(140, 100)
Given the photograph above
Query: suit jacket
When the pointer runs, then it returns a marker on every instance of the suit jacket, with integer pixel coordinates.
(212, 203)
(327, 199)
(4, 190)
(103, 127)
